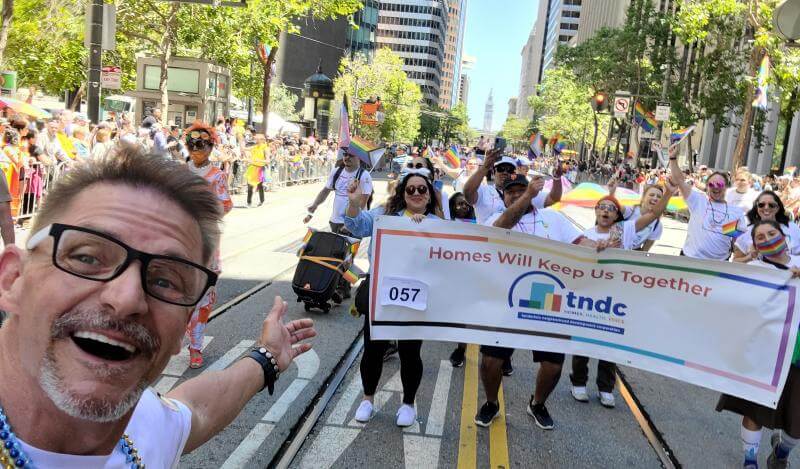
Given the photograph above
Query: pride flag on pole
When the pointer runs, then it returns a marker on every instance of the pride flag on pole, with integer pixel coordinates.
(361, 148)
(426, 152)
(644, 118)
(344, 125)
(762, 84)
(451, 156)
(679, 134)
(535, 149)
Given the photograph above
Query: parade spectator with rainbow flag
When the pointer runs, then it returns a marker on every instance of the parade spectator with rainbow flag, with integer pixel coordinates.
(256, 174)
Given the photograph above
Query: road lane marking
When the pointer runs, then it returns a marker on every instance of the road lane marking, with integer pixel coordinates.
(307, 367)
(328, 446)
(436, 417)
(176, 367)
(498, 437)
(230, 356)
(467, 442)
(421, 452)
(346, 402)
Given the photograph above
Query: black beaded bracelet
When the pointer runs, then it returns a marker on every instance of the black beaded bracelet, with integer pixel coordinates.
(270, 366)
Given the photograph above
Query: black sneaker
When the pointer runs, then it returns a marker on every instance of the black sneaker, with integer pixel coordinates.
(488, 412)
(337, 298)
(457, 358)
(508, 370)
(390, 350)
(540, 415)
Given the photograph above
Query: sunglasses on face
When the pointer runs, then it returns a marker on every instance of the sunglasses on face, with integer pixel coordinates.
(767, 205)
(421, 190)
(505, 169)
(198, 144)
(415, 165)
(197, 134)
(716, 185)
(607, 207)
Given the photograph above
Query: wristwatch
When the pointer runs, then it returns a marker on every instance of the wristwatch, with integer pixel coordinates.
(270, 366)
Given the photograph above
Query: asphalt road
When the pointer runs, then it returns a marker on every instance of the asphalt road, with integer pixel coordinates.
(258, 254)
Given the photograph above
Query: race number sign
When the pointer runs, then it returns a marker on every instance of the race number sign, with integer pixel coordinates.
(725, 326)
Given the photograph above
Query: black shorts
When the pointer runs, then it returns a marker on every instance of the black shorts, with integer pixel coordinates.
(502, 353)
(550, 357)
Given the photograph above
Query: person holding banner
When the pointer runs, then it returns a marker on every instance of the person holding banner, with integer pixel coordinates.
(520, 215)
(414, 199)
(462, 211)
(611, 230)
(712, 221)
(768, 206)
(773, 252)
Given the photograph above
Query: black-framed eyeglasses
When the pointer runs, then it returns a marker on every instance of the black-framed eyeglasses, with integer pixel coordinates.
(415, 165)
(93, 255)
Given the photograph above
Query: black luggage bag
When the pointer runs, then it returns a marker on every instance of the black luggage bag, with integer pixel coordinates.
(320, 269)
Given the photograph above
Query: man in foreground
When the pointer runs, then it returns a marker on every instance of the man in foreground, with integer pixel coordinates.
(99, 301)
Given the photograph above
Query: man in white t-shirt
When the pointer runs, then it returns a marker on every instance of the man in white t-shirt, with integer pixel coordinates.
(712, 221)
(742, 194)
(98, 302)
(520, 215)
(488, 200)
(338, 182)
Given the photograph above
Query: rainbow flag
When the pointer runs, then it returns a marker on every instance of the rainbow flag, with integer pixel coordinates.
(773, 247)
(679, 134)
(762, 86)
(344, 124)
(451, 156)
(426, 152)
(555, 139)
(360, 148)
(535, 149)
(731, 229)
(789, 171)
(559, 147)
(645, 119)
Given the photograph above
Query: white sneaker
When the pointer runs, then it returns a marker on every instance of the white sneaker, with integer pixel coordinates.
(607, 400)
(364, 412)
(580, 394)
(406, 415)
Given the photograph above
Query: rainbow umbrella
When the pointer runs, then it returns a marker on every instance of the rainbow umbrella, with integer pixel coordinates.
(627, 197)
(21, 107)
(677, 203)
(585, 194)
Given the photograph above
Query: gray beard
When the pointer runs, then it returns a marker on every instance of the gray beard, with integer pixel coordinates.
(85, 407)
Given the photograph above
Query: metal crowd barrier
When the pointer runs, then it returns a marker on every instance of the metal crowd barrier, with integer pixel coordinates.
(286, 173)
(34, 182)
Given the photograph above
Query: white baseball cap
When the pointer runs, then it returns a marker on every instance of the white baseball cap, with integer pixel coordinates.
(506, 160)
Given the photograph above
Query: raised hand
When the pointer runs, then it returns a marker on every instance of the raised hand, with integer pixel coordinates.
(282, 340)
(354, 192)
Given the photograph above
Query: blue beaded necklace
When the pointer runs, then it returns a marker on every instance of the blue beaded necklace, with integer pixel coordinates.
(12, 456)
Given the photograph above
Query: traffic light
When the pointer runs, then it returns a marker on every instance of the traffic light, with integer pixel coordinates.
(599, 102)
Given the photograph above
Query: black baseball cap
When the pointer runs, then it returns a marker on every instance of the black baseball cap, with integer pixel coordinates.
(515, 180)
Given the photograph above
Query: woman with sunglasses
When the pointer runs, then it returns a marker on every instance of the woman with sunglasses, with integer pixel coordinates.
(413, 199)
(460, 210)
(425, 167)
(772, 246)
(200, 139)
(651, 195)
(768, 206)
(712, 221)
(612, 230)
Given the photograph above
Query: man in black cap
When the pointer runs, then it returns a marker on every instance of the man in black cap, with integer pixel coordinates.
(520, 215)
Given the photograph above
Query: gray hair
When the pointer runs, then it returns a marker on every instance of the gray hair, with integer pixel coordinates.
(130, 166)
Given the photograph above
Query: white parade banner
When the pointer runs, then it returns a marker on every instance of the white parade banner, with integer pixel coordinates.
(725, 326)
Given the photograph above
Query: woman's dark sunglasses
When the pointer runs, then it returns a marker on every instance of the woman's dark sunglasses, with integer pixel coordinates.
(767, 205)
(411, 190)
(415, 166)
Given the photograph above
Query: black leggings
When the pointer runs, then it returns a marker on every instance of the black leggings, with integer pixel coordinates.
(250, 193)
(372, 359)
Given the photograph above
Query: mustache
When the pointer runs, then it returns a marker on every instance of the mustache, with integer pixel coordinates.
(145, 341)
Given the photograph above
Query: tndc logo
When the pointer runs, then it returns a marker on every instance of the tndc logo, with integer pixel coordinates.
(543, 296)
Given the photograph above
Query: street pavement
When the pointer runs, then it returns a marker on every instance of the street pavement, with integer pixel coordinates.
(258, 252)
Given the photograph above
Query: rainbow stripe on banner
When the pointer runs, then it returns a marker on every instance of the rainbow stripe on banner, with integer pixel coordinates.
(360, 148)
(451, 157)
(644, 118)
(732, 229)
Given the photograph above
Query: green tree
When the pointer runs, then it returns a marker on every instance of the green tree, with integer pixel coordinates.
(383, 76)
(516, 131)
(283, 102)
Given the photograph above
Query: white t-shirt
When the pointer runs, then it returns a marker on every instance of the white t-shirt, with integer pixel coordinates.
(625, 231)
(158, 428)
(743, 201)
(705, 239)
(544, 223)
(794, 261)
(491, 202)
(340, 199)
(458, 182)
(633, 213)
(791, 231)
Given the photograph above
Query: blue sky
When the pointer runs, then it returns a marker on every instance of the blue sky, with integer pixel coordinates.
(496, 31)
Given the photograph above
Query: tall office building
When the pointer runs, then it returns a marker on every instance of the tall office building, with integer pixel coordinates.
(488, 113)
(512, 106)
(463, 88)
(457, 15)
(531, 62)
(563, 18)
(597, 14)
(416, 30)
